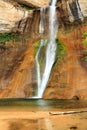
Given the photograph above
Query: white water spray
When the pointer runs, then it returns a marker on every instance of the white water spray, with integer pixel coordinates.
(50, 51)
(42, 20)
(38, 65)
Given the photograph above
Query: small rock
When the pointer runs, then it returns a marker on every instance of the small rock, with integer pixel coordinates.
(73, 127)
(75, 98)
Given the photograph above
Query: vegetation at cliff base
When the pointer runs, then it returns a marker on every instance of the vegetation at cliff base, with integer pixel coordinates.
(61, 48)
(8, 36)
(37, 45)
(27, 7)
(84, 41)
(84, 36)
(84, 58)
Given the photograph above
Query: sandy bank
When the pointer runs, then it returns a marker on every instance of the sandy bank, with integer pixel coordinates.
(42, 120)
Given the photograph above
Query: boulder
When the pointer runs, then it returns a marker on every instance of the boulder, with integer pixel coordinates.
(11, 16)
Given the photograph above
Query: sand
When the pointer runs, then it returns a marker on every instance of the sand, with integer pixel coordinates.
(41, 120)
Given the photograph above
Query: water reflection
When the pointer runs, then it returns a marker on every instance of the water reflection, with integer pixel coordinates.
(41, 104)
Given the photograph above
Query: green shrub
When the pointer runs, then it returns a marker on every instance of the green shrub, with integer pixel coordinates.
(61, 49)
(27, 7)
(8, 36)
(85, 41)
(84, 38)
(37, 45)
(84, 58)
(84, 35)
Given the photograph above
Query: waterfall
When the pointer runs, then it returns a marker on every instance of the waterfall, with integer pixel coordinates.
(42, 20)
(50, 50)
(38, 65)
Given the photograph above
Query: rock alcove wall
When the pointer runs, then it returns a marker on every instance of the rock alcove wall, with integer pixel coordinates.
(68, 80)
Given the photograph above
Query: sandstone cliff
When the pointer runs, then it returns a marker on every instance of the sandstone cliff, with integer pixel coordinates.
(34, 3)
(11, 17)
(14, 18)
(17, 68)
(83, 6)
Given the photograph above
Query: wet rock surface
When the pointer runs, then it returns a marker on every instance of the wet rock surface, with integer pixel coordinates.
(68, 79)
(12, 74)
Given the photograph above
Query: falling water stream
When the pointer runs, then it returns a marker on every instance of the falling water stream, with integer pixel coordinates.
(42, 20)
(38, 65)
(75, 14)
(50, 50)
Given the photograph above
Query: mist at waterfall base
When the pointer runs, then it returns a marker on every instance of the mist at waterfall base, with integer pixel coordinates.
(42, 79)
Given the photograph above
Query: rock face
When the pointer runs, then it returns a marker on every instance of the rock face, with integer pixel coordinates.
(83, 5)
(16, 19)
(17, 70)
(34, 3)
(11, 17)
(20, 20)
(69, 77)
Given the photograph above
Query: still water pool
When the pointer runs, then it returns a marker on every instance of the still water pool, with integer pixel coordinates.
(43, 104)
